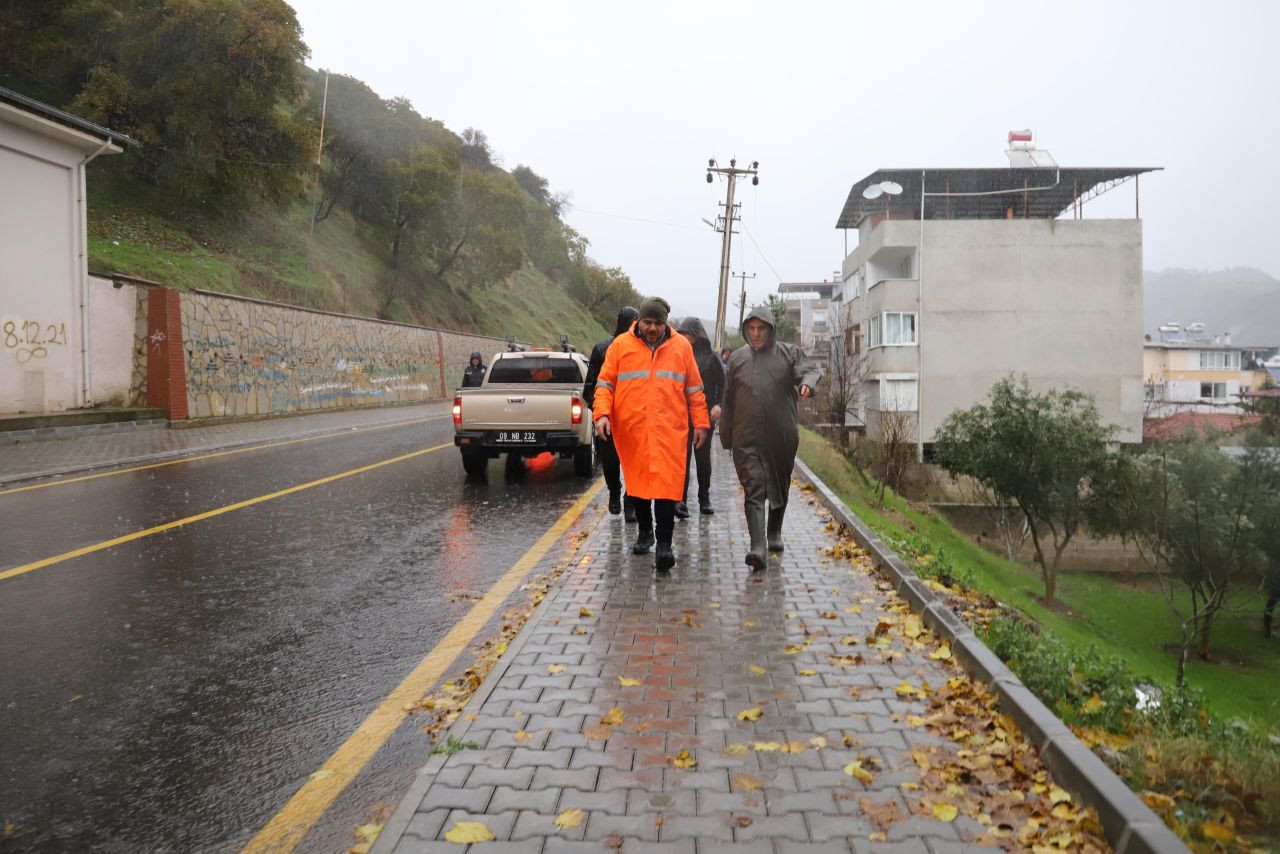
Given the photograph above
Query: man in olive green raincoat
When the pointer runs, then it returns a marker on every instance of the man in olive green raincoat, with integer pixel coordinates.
(760, 424)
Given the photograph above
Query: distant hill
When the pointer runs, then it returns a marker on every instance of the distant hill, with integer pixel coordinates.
(1244, 302)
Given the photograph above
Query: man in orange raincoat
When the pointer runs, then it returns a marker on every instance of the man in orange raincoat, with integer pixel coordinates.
(648, 393)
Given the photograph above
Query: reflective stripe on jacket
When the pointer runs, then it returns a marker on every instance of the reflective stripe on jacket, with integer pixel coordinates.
(650, 397)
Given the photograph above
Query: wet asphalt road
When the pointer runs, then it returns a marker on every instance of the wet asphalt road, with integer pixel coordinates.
(172, 693)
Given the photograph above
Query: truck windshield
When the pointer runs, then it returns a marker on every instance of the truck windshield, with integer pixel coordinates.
(536, 370)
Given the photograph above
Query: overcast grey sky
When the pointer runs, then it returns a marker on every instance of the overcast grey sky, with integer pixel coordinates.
(622, 105)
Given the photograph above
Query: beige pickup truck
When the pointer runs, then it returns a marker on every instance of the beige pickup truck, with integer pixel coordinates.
(530, 403)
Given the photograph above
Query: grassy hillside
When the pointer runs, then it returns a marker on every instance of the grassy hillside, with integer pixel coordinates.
(263, 254)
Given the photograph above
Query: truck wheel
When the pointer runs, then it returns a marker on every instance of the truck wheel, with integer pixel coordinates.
(584, 460)
(474, 462)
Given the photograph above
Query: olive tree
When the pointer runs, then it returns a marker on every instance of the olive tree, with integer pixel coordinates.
(1202, 521)
(1039, 452)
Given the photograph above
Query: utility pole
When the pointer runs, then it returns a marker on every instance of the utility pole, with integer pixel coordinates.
(315, 186)
(733, 173)
(742, 300)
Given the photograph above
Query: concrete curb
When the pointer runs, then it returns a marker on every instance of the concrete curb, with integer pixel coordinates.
(1130, 825)
(9, 479)
(395, 826)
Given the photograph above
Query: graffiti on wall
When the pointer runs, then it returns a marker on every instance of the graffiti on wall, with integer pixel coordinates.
(250, 358)
(31, 340)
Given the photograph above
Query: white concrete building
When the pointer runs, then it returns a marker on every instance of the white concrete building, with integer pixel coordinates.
(975, 278)
(45, 348)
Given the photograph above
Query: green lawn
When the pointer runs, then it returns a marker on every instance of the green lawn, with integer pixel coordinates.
(1115, 616)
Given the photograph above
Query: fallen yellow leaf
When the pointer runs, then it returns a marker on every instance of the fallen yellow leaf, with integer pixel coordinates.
(368, 832)
(583, 612)
(736, 750)
(854, 769)
(808, 673)
(945, 812)
(942, 653)
(569, 819)
(683, 760)
(1093, 705)
(756, 669)
(613, 718)
(818, 742)
(555, 668)
(1058, 795)
(752, 714)
(794, 747)
(878, 836)
(1216, 832)
(747, 783)
(793, 648)
(765, 746)
(522, 736)
(627, 681)
(467, 832)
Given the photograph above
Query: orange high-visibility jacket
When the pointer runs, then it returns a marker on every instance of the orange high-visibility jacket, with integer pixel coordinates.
(650, 397)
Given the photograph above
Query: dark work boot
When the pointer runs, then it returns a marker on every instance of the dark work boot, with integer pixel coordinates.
(644, 542)
(755, 528)
(682, 510)
(664, 557)
(775, 528)
(704, 505)
(628, 509)
(615, 502)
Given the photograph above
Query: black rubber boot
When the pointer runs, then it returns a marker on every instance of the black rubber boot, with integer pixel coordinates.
(682, 510)
(775, 528)
(644, 542)
(704, 505)
(755, 527)
(664, 557)
(615, 502)
(628, 509)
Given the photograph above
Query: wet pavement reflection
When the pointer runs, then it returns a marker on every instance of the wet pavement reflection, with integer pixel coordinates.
(171, 694)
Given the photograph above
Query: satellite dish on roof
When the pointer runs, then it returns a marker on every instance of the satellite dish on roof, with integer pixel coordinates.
(893, 188)
(875, 191)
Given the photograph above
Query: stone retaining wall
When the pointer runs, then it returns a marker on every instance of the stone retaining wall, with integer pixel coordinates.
(244, 357)
(248, 357)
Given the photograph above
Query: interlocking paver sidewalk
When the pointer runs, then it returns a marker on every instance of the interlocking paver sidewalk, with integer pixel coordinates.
(25, 460)
(798, 642)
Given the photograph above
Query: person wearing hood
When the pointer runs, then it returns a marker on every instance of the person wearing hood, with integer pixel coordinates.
(760, 424)
(712, 372)
(605, 449)
(473, 376)
(647, 395)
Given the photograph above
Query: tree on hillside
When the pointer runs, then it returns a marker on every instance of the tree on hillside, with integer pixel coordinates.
(484, 232)
(1191, 510)
(539, 190)
(476, 152)
(1040, 452)
(209, 88)
(418, 196)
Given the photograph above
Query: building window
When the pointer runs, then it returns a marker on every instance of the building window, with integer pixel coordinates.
(893, 329)
(853, 339)
(897, 394)
(1228, 360)
(1213, 391)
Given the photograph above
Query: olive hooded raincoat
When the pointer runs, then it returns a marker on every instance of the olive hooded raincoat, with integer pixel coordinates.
(651, 396)
(759, 419)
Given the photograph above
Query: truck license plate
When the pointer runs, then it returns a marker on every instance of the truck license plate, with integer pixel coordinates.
(515, 437)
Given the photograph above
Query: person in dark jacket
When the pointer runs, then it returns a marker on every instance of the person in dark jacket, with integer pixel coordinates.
(605, 450)
(760, 424)
(712, 371)
(473, 376)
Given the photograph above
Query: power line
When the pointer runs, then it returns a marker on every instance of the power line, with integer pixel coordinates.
(761, 251)
(638, 219)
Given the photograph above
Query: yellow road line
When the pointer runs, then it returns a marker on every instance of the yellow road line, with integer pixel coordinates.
(209, 514)
(174, 462)
(291, 824)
